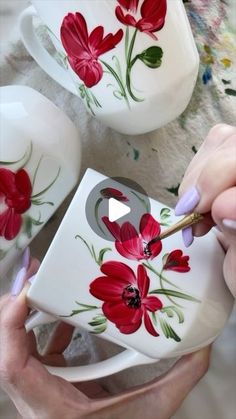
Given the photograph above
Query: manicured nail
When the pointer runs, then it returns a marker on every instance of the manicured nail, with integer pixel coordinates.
(187, 236)
(187, 202)
(230, 224)
(19, 281)
(26, 258)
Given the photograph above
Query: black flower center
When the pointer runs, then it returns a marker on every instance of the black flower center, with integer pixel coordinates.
(146, 249)
(131, 297)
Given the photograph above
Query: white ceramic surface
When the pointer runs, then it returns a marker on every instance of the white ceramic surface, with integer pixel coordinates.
(39, 165)
(153, 93)
(183, 308)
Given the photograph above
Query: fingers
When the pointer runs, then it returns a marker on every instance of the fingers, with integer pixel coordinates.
(211, 172)
(224, 213)
(214, 140)
(166, 393)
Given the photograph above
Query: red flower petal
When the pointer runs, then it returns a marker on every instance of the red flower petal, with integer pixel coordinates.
(121, 314)
(10, 224)
(149, 227)
(177, 262)
(110, 42)
(7, 182)
(131, 241)
(125, 19)
(127, 330)
(120, 271)
(124, 252)
(113, 227)
(74, 34)
(143, 281)
(155, 249)
(23, 183)
(95, 38)
(129, 4)
(152, 303)
(90, 71)
(108, 288)
(149, 325)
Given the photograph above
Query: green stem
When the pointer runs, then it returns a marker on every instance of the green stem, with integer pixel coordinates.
(129, 67)
(48, 187)
(149, 266)
(169, 298)
(115, 75)
(96, 214)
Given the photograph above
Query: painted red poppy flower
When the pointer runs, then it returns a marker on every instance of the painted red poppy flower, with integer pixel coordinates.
(177, 262)
(113, 193)
(125, 296)
(152, 13)
(15, 193)
(83, 49)
(132, 245)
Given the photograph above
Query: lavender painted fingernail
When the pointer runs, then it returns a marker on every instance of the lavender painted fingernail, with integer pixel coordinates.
(26, 258)
(19, 281)
(187, 236)
(187, 202)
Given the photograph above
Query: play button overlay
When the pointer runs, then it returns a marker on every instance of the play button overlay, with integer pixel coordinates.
(117, 210)
(114, 204)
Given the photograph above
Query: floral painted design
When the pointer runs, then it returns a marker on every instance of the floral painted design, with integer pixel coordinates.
(125, 296)
(129, 301)
(15, 193)
(17, 197)
(133, 245)
(84, 50)
(113, 193)
(152, 15)
(176, 261)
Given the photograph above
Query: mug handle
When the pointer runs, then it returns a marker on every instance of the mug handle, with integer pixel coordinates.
(126, 359)
(39, 53)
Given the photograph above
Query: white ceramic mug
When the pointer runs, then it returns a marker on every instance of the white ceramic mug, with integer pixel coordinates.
(39, 165)
(158, 301)
(133, 63)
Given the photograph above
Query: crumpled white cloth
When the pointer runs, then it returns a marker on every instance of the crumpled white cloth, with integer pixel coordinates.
(157, 161)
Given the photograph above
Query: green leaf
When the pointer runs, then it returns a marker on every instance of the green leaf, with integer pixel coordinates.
(168, 330)
(171, 310)
(102, 253)
(154, 318)
(165, 213)
(98, 321)
(99, 329)
(151, 57)
(48, 187)
(87, 306)
(86, 244)
(96, 208)
(164, 258)
(174, 293)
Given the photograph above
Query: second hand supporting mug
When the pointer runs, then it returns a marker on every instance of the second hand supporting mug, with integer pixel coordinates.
(156, 301)
(133, 63)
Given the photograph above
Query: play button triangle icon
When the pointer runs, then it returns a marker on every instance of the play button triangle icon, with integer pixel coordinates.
(117, 209)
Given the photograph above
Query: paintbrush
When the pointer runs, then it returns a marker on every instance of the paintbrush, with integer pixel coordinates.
(187, 221)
